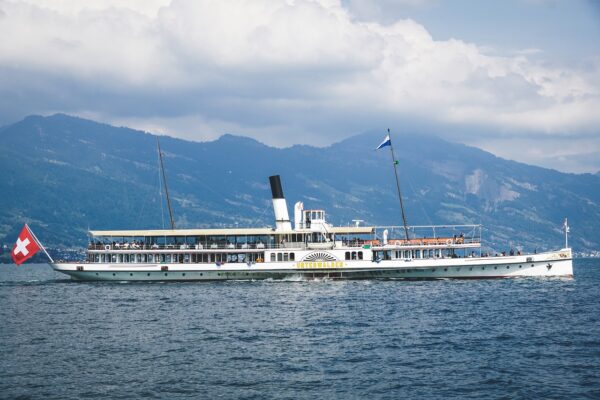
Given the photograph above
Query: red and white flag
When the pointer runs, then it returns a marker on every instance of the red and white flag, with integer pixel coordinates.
(25, 247)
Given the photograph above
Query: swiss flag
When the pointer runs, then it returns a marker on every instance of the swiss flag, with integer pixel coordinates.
(25, 247)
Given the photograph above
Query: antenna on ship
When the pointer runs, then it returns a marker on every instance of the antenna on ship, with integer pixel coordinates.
(164, 178)
(388, 142)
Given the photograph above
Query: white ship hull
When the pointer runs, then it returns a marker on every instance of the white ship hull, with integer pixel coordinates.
(550, 264)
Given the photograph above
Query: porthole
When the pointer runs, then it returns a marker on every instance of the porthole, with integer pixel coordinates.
(183, 274)
(532, 265)
(495, 267)
(114, 274)
(520, 266)
(218, 274)
(445, 269)
(130, 274)
(166, 274)
(200, 273)
(148, 273)
(96, 274)
(508, 266)
(433, 270)
(482, 268)
(471, 269)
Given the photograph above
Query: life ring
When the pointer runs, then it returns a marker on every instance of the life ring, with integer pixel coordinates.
(448, 241)
(107, 247)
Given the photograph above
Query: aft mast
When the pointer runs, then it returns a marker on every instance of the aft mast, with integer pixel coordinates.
(395, 162)
(164, 178)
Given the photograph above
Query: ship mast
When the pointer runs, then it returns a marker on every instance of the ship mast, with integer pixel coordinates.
(395, 162)
(164, 178)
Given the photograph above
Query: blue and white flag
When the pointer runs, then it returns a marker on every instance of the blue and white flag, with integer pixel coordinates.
(386, 142)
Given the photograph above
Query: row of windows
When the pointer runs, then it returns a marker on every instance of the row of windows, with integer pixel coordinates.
(283, 257)
(354, 255)
(176, 258)
(400, 254)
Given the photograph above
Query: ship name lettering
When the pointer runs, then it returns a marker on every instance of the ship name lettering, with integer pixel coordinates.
(321, 264)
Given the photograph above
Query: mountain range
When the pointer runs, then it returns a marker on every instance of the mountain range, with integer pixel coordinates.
(65, 175)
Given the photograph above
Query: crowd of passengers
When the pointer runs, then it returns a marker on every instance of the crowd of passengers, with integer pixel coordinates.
(153, 246)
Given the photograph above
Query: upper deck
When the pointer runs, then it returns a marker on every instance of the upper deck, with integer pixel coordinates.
(259, 239)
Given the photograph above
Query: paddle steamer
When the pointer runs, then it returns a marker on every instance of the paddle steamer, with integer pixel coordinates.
(311, 248)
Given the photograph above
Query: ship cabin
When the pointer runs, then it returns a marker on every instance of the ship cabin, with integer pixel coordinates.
(256, 245)
(218, 245)
(426, 241)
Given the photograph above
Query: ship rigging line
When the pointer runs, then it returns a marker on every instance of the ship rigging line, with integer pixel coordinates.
(398, 186)
(162, 168)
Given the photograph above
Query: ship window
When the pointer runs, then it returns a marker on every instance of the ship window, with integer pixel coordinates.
(272, 257)
(292, 257)
(167, 258)
(279, 257)
(186, 259)
(354, 255)
(97, 258)
(114, 258)
(347, 255)
(360, 255)
(120, 258)
(286, 257)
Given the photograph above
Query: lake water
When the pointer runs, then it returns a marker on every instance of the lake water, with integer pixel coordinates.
(507, 338)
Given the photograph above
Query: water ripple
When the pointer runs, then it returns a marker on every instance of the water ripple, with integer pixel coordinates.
(510, 338)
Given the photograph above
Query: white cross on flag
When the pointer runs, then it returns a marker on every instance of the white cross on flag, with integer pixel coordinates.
(25, 247)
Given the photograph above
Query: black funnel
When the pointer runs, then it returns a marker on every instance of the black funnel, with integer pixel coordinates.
(276, 189)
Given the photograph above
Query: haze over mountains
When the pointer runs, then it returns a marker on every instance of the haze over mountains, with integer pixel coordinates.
(65, 175)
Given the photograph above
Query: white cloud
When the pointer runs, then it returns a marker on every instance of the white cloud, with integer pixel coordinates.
(283, 71)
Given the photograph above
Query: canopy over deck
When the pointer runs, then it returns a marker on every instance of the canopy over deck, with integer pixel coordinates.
(352, 230)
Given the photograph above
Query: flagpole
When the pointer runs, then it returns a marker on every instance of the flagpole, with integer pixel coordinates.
(566, 234)
(398, 186)
(39, 243)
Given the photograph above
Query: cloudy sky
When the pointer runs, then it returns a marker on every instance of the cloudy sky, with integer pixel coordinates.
(520, 78)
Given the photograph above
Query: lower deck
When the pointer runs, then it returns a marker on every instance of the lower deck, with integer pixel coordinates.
(544, 264)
